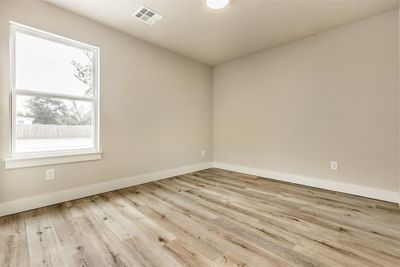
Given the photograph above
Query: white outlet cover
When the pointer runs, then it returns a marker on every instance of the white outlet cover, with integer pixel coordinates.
(203, 153)
(334, 166)
(50, 174)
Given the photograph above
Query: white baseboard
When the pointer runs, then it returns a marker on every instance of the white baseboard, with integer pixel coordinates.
(359, 190)
(19, 205)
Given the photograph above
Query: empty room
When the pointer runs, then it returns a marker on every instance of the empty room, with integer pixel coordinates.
(199, 133)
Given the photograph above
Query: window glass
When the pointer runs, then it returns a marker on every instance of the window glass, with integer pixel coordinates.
(54, 94)
(48, 124)
(52, 67)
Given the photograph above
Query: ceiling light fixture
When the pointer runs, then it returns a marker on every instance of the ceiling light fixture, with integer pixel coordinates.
(217, 4)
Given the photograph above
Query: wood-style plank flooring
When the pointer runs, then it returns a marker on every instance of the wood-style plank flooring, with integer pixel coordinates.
(208, 218)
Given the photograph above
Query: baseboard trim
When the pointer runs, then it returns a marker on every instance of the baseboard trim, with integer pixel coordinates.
(19, 205)
(359, 190)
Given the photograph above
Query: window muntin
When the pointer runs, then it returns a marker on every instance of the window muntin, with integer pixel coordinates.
(54, 93)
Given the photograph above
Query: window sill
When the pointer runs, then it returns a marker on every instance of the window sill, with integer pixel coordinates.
(32, 161)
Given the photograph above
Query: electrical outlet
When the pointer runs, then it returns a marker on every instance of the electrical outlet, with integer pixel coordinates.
(50, 174)
(203, 153)
(334, 166)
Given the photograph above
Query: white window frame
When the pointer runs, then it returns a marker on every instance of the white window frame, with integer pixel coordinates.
(27, 159)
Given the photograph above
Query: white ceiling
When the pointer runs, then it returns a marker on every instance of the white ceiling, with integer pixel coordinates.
(244, 27)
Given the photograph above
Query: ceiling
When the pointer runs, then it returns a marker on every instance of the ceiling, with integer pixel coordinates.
(190, 28)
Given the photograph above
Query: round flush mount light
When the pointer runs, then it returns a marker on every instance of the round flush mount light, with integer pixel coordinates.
(217, 4)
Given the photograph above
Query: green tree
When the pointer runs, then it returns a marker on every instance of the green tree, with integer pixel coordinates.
(56, 112)
(47, 111)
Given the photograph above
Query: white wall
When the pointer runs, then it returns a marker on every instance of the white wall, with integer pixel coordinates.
(333, 96)
(291, 109)
(155, 105)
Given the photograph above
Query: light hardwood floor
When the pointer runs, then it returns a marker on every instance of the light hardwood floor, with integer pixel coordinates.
(208, 218)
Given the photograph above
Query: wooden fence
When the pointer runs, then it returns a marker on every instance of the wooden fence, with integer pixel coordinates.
(39, 131)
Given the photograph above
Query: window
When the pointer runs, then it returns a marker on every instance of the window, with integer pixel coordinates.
(54, 95)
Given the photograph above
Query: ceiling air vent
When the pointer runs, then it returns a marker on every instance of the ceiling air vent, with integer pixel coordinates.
(147, 15)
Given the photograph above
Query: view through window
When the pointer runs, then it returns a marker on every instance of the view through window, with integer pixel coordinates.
(54, 93)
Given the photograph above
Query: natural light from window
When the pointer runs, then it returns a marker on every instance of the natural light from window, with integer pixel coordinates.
(54, 94)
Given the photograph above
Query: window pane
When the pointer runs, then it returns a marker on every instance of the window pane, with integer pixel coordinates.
(51, 67)
(49, 124)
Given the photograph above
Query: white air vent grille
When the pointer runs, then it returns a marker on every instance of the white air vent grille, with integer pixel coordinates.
(147, 15)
